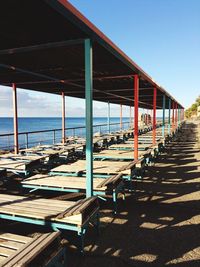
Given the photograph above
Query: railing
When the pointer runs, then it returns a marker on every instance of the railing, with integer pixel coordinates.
(29, 139)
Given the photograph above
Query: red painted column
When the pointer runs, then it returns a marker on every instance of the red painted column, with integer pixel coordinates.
(154, 114)
(120, 116)
(173, 116)
(63, 117)
(136, 99)
(15, 119)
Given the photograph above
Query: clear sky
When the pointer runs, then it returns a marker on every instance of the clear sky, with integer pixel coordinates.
(162, 36)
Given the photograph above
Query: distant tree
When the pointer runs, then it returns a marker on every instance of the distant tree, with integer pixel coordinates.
(198, 101)
(193, 109)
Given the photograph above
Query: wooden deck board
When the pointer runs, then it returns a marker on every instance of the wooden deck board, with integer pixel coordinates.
(108, 167)
(11, 164)
(124, 145)
(118, 154)
(26, 207)
(70, 182)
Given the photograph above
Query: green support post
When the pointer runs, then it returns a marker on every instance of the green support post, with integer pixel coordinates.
(163, 118)
(89, 117)
(169, 118)
(108, 121)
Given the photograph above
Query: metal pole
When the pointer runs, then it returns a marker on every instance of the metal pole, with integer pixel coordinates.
(163, 118)
(108, 122)
(15, 119)
(63, 117)
(154, 115)
(130, 118)
(89, 116)
(136, 98)
(120, 116)
(169, 118)
(173, 115)
(176, 115)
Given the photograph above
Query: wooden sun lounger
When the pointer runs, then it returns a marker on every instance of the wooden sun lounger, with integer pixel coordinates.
(102, 169)
(21, 157)
(123, 155)
(56, 214)
(20, 167)
(101, 187)
(41, 250)
(124, 146)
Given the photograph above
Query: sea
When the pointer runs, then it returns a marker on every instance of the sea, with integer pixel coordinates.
(75, 126)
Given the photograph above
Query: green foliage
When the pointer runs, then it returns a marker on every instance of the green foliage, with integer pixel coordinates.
(193, 109)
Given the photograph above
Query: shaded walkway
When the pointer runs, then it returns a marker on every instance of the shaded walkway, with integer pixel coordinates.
(160, 225)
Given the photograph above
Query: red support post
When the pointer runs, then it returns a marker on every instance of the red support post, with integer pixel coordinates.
(154, 114)
(63, 117)
(120, 116)
(136, 99)
(15, 119)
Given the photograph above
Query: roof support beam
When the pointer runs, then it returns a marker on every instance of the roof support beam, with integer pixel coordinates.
(169, 117)
(163, 117)
(154, 115)
(15, 119)
(63, 117)
(38, 47)
(89, 117)
(121, 117)
(136, 97)
(108, 119)
(39, 75)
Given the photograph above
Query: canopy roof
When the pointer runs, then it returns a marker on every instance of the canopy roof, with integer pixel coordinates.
(42, 49)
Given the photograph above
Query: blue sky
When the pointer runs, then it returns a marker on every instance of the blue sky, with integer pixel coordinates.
(162, 36)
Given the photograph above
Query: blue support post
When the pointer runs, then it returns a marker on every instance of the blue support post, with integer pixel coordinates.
(163, 118)
(169, 118)
(89, 117)
(108, 121)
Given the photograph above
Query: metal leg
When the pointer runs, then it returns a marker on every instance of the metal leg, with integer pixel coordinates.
(115, 201)
(81, 235)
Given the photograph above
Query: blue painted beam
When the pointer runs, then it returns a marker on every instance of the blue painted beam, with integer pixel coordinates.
(108, 121)
(163, 117)
(169, 118)
(89, 116)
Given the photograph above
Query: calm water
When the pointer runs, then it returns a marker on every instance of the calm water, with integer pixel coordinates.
(38, 124)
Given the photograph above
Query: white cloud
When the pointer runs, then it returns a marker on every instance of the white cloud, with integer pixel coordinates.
(36, 104)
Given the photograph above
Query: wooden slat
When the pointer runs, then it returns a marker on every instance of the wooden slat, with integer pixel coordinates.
(24, 210)
(6, 251)
(2, 259)
(108, 167)
(67, 182)
(14, 237)
(9, 244)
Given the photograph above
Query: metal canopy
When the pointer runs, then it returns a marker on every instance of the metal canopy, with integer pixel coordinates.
(42, 49)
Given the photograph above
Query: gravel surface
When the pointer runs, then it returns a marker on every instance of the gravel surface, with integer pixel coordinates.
(159, 225)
